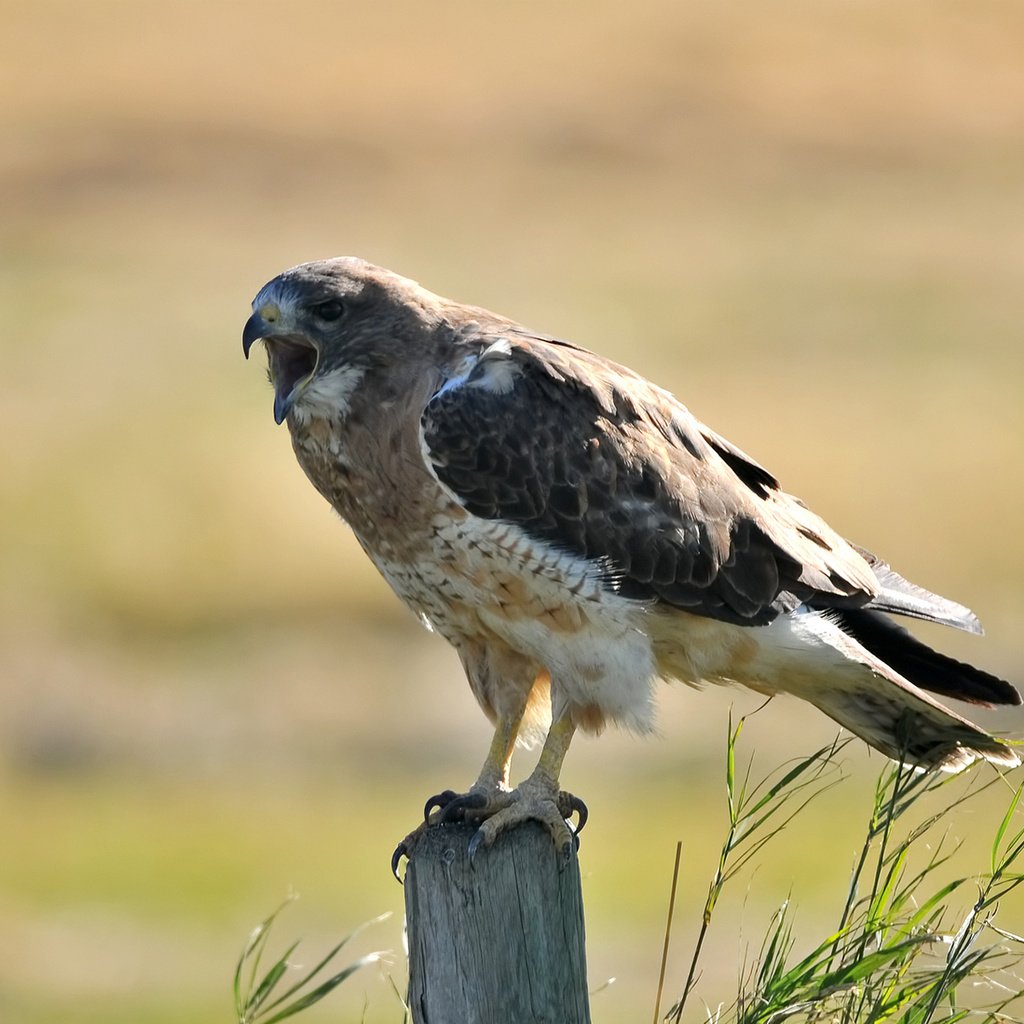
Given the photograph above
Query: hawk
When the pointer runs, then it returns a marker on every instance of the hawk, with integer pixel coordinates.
(576, 534)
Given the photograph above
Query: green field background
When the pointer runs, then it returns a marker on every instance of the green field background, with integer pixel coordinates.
(805, 219)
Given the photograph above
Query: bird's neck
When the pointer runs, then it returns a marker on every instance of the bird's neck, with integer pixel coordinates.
(367, 461)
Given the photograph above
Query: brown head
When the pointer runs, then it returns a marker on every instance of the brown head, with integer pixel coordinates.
(329, 323)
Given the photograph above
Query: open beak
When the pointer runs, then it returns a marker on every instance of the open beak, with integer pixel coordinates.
(255, 328)
(292, 359)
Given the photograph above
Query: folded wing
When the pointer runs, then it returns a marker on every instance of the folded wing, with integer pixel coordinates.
(590, 457)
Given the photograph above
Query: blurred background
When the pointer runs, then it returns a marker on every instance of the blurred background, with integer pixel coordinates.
(806, 220)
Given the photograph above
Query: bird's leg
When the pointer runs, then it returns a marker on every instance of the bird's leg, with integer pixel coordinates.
(498, 808)
(538, 798)
(485, 795)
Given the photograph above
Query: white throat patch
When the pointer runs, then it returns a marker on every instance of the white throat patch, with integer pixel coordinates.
(328, 396)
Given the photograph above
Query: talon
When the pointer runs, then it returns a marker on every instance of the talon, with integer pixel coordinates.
(455, 809)
(438, 801)
(401, 850)
(496, 809)
(571, 804)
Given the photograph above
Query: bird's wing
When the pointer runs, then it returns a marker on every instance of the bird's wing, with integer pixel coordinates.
(590, 457)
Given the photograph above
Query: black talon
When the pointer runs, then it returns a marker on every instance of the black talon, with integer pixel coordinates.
(582, 814)
(439, 801)
(401, 850)
(455, 809)
(568, 805)
(474, 845)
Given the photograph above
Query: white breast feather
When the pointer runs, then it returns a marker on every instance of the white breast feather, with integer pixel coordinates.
(329, 395)
(543, 602)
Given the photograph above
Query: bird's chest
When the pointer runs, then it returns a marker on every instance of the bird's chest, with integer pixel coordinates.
(414, 532)
(476, 579)
(373, 480)
(466, 576)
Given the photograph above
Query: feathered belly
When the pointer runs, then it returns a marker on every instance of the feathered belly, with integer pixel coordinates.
(481, 581)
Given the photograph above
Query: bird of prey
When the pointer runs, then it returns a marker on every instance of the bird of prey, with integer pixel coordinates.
(576, 534)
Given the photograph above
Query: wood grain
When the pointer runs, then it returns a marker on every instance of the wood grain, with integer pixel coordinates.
(499, 940)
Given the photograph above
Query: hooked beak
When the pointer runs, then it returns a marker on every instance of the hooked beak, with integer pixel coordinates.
(255, 328)
(292, 359)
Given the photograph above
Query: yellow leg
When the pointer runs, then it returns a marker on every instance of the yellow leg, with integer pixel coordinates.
(539, 797)
(488, 794)
(494, 774)
(556, 746)
(498, 808)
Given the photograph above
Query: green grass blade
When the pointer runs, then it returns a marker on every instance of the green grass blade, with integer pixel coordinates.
(820, 761)
(730, 766)
(314, 971)
(891, 960)
(997, 843)
(872, 962)
(269, 982)
(882, 898)
(304, 1002)
(253, 953)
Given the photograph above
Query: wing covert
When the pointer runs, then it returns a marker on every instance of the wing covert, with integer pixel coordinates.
(590, 457)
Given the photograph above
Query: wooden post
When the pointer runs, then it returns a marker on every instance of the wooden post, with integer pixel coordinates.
(499, 940)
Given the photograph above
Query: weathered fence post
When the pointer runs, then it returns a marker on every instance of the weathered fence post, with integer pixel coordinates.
(499, 940)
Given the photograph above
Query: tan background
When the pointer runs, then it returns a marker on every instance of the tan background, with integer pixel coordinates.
(806, 219)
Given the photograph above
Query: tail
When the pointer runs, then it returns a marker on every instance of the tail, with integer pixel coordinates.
(920, 664)
(887, 706)
(901, 720)
(914, 729)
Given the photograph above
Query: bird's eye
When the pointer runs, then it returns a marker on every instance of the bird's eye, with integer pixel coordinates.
(329, 310)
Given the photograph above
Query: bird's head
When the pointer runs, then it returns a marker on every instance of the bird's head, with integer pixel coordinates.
(327, 324)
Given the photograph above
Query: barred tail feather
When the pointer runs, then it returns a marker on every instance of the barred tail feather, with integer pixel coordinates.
(855, 684)
(912, 728)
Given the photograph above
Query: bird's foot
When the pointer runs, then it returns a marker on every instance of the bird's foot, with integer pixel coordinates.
(449, 806)
(476, 805)
(498, 809)
(534, 800)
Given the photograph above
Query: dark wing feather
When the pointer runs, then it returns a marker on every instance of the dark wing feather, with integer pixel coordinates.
(589, 456)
